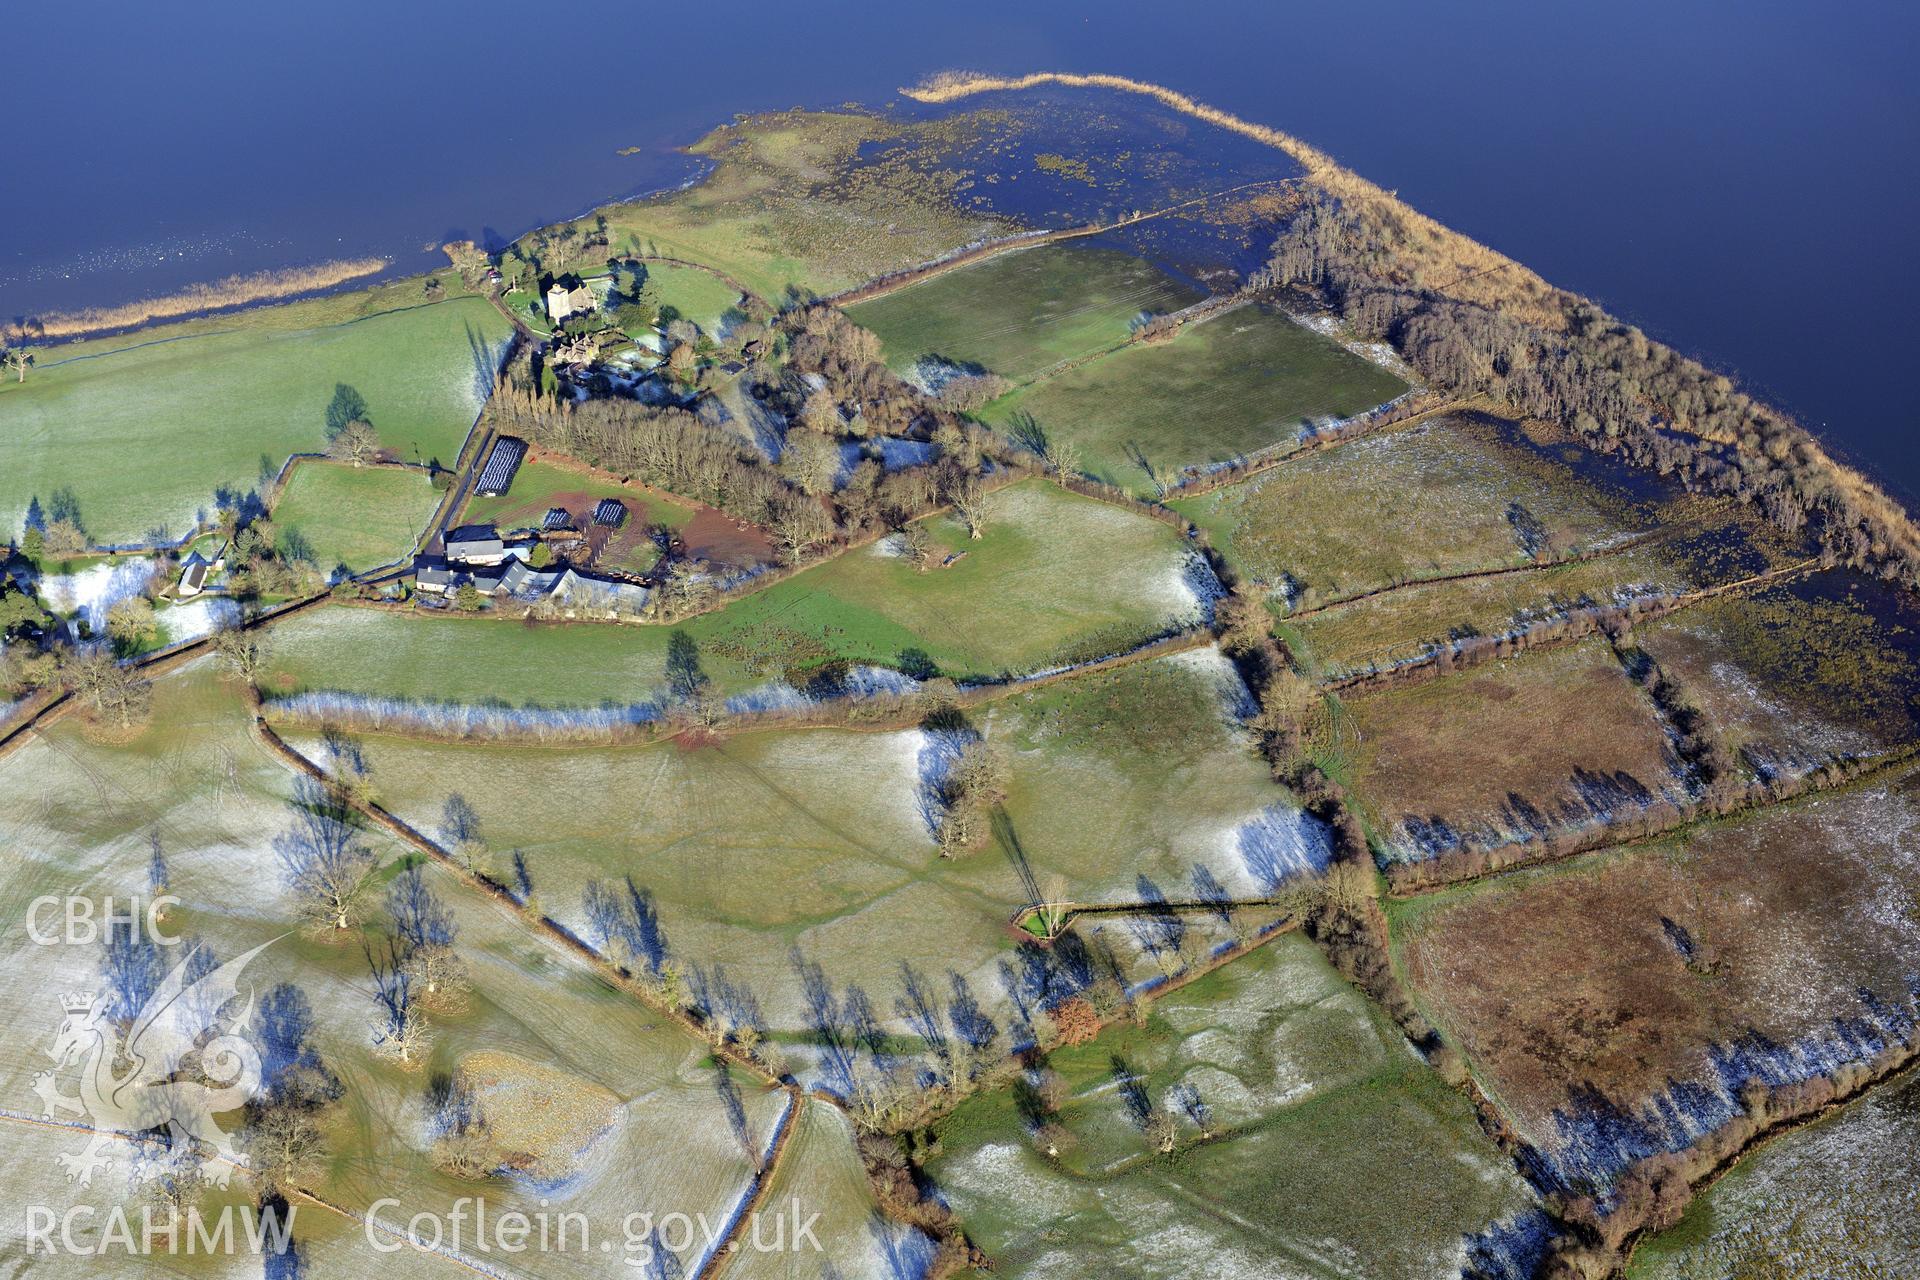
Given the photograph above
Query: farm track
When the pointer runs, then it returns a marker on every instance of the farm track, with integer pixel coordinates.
(764, 1178)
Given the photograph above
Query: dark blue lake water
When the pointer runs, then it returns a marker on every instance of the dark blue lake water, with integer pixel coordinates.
(1738, 178)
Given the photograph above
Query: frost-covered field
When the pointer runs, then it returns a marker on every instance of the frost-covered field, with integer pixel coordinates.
(775, 850)
(1775, 947)
(78, 817)
(822, 1175)
(87, 594)
(1329, 1151)
(1837, 1201)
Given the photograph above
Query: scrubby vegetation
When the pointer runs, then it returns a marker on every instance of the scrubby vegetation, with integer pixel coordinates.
(1618, 390)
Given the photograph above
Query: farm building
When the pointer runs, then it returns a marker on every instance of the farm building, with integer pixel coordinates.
(611, 512)
(193, 576)
(581, 591)
(430, 573)
(497, 476)
(196, 569)
(476, 544)
(522, 581)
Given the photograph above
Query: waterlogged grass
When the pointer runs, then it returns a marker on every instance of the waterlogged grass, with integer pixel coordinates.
(817, 200)
(78, 815)
(1444, 497)
(1663, 957)
(1056, 578)
(1021, 313)
(1307, 1095)
(1799, 674)
(1236, 384)
(144, 434)
(356, 518)
(1485, 756)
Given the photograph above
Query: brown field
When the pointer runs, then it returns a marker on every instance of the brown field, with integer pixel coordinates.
(719, 539)
(1621, 973)
(1508, 753)
(1799, 675)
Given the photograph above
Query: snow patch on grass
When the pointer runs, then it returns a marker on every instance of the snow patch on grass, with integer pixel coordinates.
(90, 593)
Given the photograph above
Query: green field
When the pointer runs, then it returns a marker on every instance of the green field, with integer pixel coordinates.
(1236, 384)
(692, 294)
(1306, 1088)
(358, 518)
(1020, 313)
(200, 412)
(1056, 578)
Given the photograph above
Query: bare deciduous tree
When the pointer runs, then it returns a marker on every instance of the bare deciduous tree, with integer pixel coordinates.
(976, 782)
(399, 1024)
(799, 524)
(285, 1149)
(117, 694)
(241, 650)
(356, 442)
(969, 499)
(325, 862)
(810, 461)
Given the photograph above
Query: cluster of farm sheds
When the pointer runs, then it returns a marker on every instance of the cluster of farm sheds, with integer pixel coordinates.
(478, 555)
